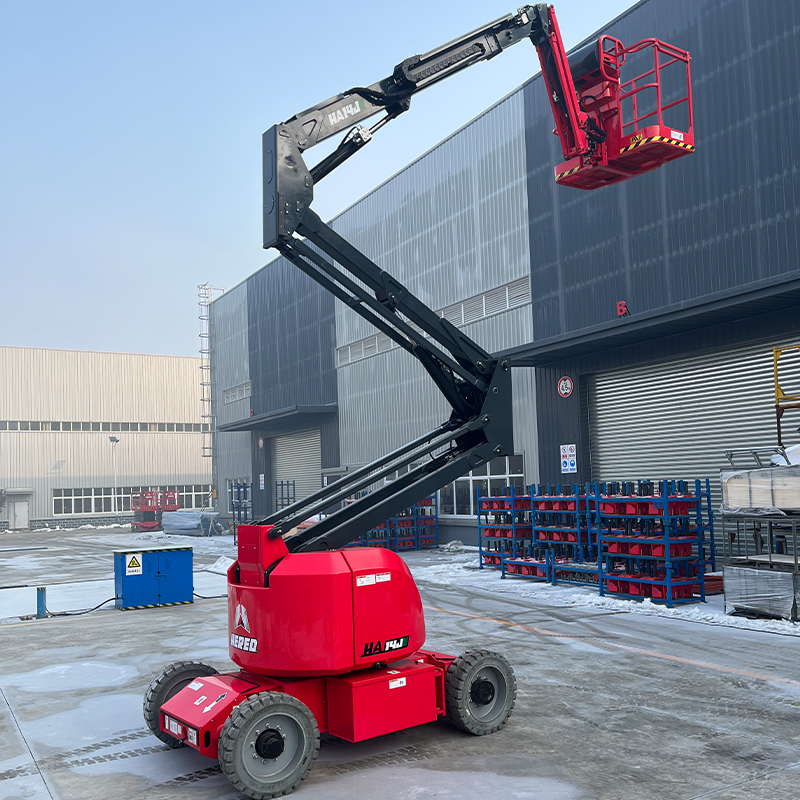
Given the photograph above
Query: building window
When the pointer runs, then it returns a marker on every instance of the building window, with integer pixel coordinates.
(87, 502)
(496, 301)
(124, 427)
(458, 498)
(235, 393)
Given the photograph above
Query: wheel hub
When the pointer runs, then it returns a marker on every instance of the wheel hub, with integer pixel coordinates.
(482, 692)
(269, 744)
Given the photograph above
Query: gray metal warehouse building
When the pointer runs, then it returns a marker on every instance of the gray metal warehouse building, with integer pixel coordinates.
(703, 253)
(59, 409)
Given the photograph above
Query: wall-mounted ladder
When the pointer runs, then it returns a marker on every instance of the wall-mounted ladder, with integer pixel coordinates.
(205, 294)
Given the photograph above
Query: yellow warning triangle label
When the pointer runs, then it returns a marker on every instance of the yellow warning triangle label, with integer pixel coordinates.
(134, 563)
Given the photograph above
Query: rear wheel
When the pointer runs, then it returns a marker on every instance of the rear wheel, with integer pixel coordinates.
(268, 745)
(166, 685)
(480, 692)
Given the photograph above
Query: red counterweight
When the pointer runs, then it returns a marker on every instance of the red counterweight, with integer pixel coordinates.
(324, 613)
(612, 129)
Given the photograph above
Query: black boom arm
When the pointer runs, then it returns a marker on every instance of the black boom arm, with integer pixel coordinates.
(476, 385)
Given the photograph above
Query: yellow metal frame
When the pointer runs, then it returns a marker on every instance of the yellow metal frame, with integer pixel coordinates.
(781, 397)
(783, 400)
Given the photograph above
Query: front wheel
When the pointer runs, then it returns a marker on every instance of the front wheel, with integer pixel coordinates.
(480, 692)
(165, 686)
(268, 745)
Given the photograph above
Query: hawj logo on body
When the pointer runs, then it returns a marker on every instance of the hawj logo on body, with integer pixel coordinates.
(341, 114)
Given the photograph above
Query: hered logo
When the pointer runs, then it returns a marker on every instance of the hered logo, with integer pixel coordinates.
(241, 618)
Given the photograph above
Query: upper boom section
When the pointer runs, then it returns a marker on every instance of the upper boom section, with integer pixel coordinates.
(393, 94)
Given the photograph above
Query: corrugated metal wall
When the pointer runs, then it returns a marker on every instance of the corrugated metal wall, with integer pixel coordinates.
(450, 226)
(233, 460)
(76, 386)
(676, 419)
(388, 400)
(724, 218)
(230, 354)
(291, 339)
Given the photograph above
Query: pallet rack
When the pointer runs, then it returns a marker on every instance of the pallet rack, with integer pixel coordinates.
(415, 528)
(652, 541)
(562, 527)
(428, 522)
(504, 527)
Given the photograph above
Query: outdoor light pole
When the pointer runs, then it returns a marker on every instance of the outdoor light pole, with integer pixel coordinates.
(114, 442)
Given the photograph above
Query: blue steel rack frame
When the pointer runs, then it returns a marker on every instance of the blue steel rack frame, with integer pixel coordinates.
(507, 536)
(428, 522)
(562, 527)
(415, 528)
(652, 540)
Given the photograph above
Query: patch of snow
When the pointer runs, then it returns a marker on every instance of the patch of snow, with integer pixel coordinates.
(463, 570)
(220, 566)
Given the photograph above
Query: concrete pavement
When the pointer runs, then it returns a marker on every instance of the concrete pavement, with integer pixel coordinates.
(611, 706)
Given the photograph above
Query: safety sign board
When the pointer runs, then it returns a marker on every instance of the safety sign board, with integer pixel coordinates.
(261, 480)
(569, 459)
(565, 386)
(133, 563)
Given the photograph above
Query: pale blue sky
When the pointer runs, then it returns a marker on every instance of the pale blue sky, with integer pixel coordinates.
(130, 143)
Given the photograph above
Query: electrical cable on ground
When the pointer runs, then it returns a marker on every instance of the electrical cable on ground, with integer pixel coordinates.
(212, 597)
(77, 613)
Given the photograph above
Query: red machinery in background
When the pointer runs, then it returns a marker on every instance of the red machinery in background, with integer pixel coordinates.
(148, 507)
(326, 639)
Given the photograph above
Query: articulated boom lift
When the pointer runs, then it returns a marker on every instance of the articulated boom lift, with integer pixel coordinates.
(329, 640)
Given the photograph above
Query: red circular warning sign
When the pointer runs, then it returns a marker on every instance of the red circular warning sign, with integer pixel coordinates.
(260, 443)
(565, 386)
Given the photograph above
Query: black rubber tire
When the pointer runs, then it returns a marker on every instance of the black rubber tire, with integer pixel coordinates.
(166, 685)
(262, 778)
(479, 718)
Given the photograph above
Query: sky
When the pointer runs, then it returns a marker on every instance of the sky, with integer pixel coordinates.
(130, 143)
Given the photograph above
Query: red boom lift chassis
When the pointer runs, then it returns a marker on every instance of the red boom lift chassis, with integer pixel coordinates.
(326, 639)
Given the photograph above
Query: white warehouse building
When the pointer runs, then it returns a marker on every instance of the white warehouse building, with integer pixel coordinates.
(60, 410)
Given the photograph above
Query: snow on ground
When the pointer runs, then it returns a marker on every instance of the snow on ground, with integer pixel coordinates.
(201, 545)
(462, 570)
(45, 528)
(83, 595)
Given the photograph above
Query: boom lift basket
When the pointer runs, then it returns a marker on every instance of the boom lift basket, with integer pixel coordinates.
(632, 126)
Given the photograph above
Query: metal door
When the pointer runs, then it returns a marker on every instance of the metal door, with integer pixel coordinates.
(19, 515)
(297, 457)
(676, 419)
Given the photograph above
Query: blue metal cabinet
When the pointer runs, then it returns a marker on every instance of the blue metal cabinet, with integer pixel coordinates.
(158, 576)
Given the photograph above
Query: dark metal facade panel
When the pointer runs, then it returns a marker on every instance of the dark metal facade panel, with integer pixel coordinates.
(558, 419)
(291, 340)
(720, 219)
(263, 503)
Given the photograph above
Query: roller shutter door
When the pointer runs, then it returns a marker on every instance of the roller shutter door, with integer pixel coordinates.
(676, 419)
(297, 457)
